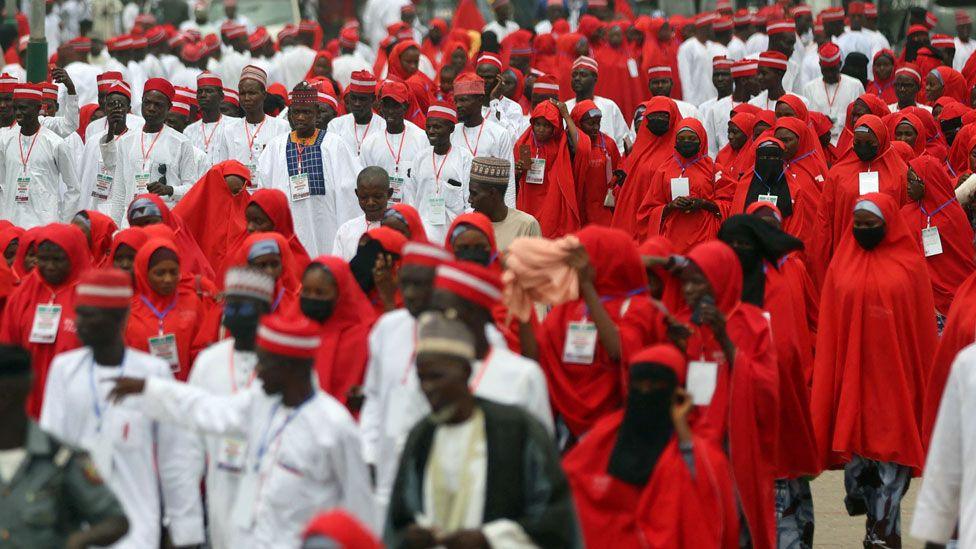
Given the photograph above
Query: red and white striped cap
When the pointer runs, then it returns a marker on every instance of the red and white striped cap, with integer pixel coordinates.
(659, 71)
(942, 41)
(758, 19)
(49, 91)
(29, 92)
(207, 78)
(120, 87)
(362, 82)
(777, 27)
(829, 55)
(294, 336)
(124, 43)
(185, 95)
(745, 67)
(109, 288)
(773, 59)
(706, 18)
(742, 18)
(870, 10)
(832, 14)
(470, 281)
(911, 71)
(546, 85)
(327, 99)
(963, 18)
(176, 40)
(425, 254)
(586, 63)
(721, 63)
(491, 59)
(258, 39)
(233, 30)
(723, 24)
(180, 107)
(7, 83)
(801, 9)
(287, 31)
(140, 42)
(232, 97)
(931, 20)
(156, 35)
(443, 110)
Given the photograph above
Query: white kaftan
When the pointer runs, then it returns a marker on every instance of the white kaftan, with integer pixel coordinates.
(32, 172)
(430, 189)
(395, 153)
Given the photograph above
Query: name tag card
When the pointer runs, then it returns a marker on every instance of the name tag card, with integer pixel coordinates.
(23, 190)
(771, 198)
(679, 187)
(702, 377)
(298, 186)
(580, 343)
(867, 182)
(47, 320)
(164, 347)
(437, 213)
(931, 241)
(142, 182)
(537, 172)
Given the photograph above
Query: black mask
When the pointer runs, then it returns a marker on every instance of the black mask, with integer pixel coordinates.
(657, 126)
(363, 262)
(241, 319)
(318, 310)
(865, 151)
(769, 167)
(646, 428)
(687, 149)
(869, 237)
(480, 256)
(950, 128)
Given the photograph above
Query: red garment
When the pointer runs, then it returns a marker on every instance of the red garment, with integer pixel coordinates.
(414, 223)
(274, 204)
(421, 87)
(213, 215)
(873, 103)
(939, 208)
(102, 228)
(467, 16)
(554, 203)
(288, 284)
(953, 84)
(7, 236)
(674, 510)
(894, 119)
(195, 261)
(182, 313)
(658, 52)
(436, 52)
(627, 89)
(595, 183)
(660, 246)
(646, 156)
(544, 58)
(935, 142)
(340, 362)
(321, 54)
(962, 147)
(842, 189)
(734, 163)
(875, 343)
(133, 237)
(815, 157)
(27, 243)
(685, 229)
(18, 315)
(85, 114)
(883, 89)
(584, 393)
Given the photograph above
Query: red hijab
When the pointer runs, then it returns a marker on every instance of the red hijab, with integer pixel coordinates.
(554, 203)
(894, 119)
(213, 215)
(288, 284)
(953, 84)
(799, 108)
(182, 312)
(808, 159)
(27, 243)
(436, 52)
(647, 155)
(935, 142)
(102, 228)
(939, 208)
(736, 162)
(8, 235)
(321, 54)
(884, 89)
(594, 185)
(875, 104)
(133, 237)
(414, 224)
(18, 314)
(274, 204)
(194, 260)
(889, 351)
(85, 114)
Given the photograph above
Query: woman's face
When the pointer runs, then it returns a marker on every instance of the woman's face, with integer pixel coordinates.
(269, 263)
(883, 67)
(905, 132)
(471, 239)
(53, 263)
(694, 285)
(125, 257)
(933, 87)
(759, 128)
(235, 183)
(790, 142)
(783, 110)
(322, 67)
(257, 220)
(319, 284)
(858, 110)
(410, 60)
(916, 187)
(10, 252)
(737, 138)
(542, 129)
(164, 275)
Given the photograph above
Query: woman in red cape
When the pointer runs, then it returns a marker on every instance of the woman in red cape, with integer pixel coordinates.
(673, 507)
(791, 106)
(902, 118)
(132, 238)
(604, 159)
(744, 409)
(619, 78)
(734, 160)
(435, 52)
(691, 219)
(649, 152)
(883, 88)
(842, 189)
(340, 361)
(661, 283)
(269, 212)
(933, 204)
(864, 104)
(406, 220)
(35, 289)
(387, 297)
(582, 394)
(857, 348)
(962, 147)
(7, 237)
(213, 214)
(935, 142)
(952, 82)
(181, 309)
(661, 48)
(288, 283)
(98, 230)
(193, 258)
(551, 197)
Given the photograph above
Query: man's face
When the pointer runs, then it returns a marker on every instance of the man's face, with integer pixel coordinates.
(439, 131)
(489, 73)
(98, 327)
(583, 80)
(177, 121)
(6, 107)
(155, 107)
(770, 77)
(326, 114)
(303, 117)
(906, 88)
(830, 74)
(444, 380)
(26, 110)
(748, 83)
(416, 287)
(210, 97)
(373, 197)
(964, 31)
(481, 197)
(252, 95)
(467, 105)
(360, 104)
(392, 110)
(803, 23)
(722, 80)
(660, 87)
(783, 42)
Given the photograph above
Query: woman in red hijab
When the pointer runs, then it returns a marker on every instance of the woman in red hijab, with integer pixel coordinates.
(865, 104)
(732, 157)
(125, 245)
(948, 249)
(662, 284)
(403, 65)
(661, 48)
(435, 52)
(213, 210)
(550, 163)
(270, 253)
(653, 146)
(587, 382)
(9, 243)
(684, 202)
(149, 209)
(268, 211)
(908, 129)
(732, 340)
(805, 167)
(165, 315)
(48, 294)
(98, 229)
(85, 115)
(935, 143)
(871, 166)
(331, 297)
(598, 181)
(26, 258)
(883, 84)
(633, 487)
(874, 346)
(405, 219)
(375, 267)
(791, 106)
(946, 82)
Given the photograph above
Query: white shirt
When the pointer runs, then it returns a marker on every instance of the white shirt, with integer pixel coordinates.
(695, 70)
(84, 77)
(133, 123)
(430, 185)
(612, 121)
(294, 63)
(855, 41)
(948, 491)
(963, 51)
(764, 102)
(810, 67)
(506, 112)
(242, 141)
(347, 237)
(757, 43)
(395, 153)
(490, 138)
(42, 162)
(715, 115)
(346, 128)
(501, 31)
(737, 48)
(833, 99)
(893, 107)
(205, 136)
(125, 443)
(299, 461)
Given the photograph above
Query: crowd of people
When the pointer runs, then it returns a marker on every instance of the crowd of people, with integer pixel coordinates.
(609, 281)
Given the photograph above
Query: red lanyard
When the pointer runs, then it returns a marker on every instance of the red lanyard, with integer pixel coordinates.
(142, 142)
(464, 132)
(396, 159)
(481, 373)
(437, 171)
(233, 375)
(830, 100)
(355, 133)
(30, 149)
(203, 128)
(251, 138)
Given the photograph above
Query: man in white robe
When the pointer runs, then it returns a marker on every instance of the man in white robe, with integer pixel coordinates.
(584, 78)
(204, 134)
(34, 163)
(871, 27)
(712, 115)
(303, 452)
(439, 187)
(360, 121)
(737, 44)
(660, 82)
(396, 150)
(782, 39)
(832, 93)
(495, 105)
(349, 59)
(373, 193)
(482, 136)
(106, 81)
(16, 69)
(758, 42)
(83, 75)
(965, 45)
(695, 63)
(138, 458)
(95, 179)
(297, 59)
(316, 170)
(503, 25)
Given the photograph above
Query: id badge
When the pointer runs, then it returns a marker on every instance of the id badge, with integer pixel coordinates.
(101, 453)
(632, 68)
(396, 184)
(437, 214)
(771, 198)
(680, 187)
(580, 343)
(164, 347)
(103, 183)
(702, 377)
(247, 492)
(47, 320)
(867, 182)
(537, 172)
(143, 179)
(931, 241)
(232, 454)
(23, 190)
(298, 185)
(253, 168)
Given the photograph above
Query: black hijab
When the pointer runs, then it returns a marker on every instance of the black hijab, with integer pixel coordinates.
(646, 428)
(770, 184)
(768, 245)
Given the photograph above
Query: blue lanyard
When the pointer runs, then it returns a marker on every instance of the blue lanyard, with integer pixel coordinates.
(937, 210)
(281, 294)
(949, 167)
(799, 158)
(769, 189)
(159, 315)
(685, 166)
(265, 442)
(94, 390)
(605, 298)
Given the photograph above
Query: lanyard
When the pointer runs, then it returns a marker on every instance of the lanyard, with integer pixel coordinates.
(951, 171)
(159, 315)
(605, 298)
(207, 140)
(265, 442)
(481, 372)
(142, 142)
(686, 166)
(937, 210)
(355, 133)
(769, 188)
(277, 301)
(251, 138)
(233, 374)
(437, 171)
(94, 390)
(830, 100)
(464, 132)
(396, 158)
(24, 160)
